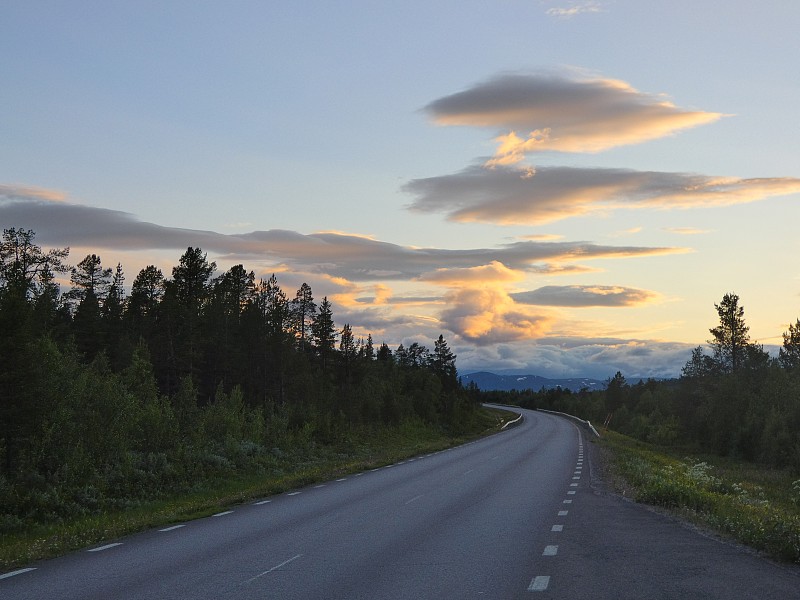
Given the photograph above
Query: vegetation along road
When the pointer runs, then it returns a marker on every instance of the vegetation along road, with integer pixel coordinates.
(518, 514)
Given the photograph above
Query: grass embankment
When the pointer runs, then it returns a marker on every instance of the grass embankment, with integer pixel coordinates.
(752, 504)
(294, 468)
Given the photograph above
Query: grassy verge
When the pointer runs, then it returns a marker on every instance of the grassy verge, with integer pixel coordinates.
(300, 467)
(750, 503)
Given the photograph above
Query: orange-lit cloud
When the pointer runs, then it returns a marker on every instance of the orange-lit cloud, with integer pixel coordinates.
(687, 230)
(508, 195)
(552, 112)
(491, 274)
(23, 192)
(490, 315)
(586, 295)
(543, 237)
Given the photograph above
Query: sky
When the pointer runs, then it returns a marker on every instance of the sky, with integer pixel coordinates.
(560, 188)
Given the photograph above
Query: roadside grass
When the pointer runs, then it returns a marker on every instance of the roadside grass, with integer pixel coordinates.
(297, 468)
(753, 504)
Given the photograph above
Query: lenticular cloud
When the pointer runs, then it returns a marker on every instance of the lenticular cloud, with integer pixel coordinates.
(554, 112)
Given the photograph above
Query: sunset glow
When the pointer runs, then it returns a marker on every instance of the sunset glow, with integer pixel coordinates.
(566, 191)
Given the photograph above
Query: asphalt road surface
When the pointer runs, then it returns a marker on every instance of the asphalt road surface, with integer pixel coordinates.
(520, 514)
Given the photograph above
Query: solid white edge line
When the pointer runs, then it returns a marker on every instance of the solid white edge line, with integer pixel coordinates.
(17, 572)
(539, 583)
(106, 547)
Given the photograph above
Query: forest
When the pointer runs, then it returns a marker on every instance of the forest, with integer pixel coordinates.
(109, 399)
(737, 401)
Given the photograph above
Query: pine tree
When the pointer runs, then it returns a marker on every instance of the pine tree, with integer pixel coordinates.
(369, 348)
(789, 355)
(146, 293)
(384, 353)
(303, 310)
(23, 264)
(730, 338)
(88, 326)
(443, 360)
(190, 289)
(88, 276)
(323, 332)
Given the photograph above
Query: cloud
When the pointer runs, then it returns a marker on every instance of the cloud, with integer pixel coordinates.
(23, 192)
(585, 295)
(578, 357)
(687, 230)
(509, 195)
(575, 10)
(493, 273)
(348, 256)
(489, 316)
(543, 237)
(555, 112)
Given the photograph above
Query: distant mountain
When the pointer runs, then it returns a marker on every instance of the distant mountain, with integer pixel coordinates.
(491, 381)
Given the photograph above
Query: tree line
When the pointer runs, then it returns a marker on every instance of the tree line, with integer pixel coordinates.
(111, 397)
(734, 401)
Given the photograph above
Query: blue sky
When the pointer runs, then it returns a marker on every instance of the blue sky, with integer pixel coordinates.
(560, 188)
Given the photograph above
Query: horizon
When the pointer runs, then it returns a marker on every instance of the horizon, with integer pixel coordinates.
(567, 189)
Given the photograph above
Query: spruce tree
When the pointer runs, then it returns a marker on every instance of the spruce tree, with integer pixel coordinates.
(730, 338)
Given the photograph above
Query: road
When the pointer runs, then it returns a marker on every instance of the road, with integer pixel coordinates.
(515, 515)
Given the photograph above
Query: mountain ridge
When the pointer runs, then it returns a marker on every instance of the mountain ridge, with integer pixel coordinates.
(487, 381)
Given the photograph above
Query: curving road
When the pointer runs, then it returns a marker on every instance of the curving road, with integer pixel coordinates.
(515, 515)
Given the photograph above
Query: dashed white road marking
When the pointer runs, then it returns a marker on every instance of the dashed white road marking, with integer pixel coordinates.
(414, 499)
(573, 485)
(260, 502)
(173, 528)
(342, 479)
(106, 547)
(577, 477)
(293, 493)
(539, 583)
(550, 551)
(557, 528)
(567, 501)
(223, 513)
(467, 472)
(563, 513)
(275, 568)
(17, 572)
(321, 485)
